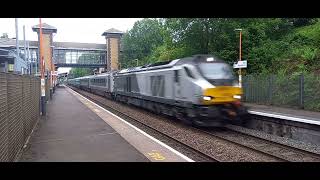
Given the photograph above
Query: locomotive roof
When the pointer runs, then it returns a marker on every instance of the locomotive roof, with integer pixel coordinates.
(167, 64)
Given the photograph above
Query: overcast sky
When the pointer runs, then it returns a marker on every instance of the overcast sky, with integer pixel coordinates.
(87, 30)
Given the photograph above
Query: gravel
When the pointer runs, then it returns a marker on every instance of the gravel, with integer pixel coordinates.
(313, 148)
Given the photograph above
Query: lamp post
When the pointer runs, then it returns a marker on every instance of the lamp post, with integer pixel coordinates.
(15, 69)
(240, 75)
(42, 70)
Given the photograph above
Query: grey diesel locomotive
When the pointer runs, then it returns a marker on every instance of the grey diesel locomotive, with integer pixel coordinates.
(200, 90)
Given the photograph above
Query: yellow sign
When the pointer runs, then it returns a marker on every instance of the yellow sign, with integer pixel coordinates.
(157, 156)
(10, 67)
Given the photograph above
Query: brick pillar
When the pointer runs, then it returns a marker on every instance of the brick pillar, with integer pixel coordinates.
(47, 44)
(47, 31)
(113, 38)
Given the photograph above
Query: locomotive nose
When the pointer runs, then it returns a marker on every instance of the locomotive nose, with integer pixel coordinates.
(220, 95)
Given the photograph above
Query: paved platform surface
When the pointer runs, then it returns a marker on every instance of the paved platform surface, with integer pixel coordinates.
(152, 148)
(73, 132)
(299, 113)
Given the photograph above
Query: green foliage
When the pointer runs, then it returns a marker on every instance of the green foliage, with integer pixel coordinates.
(79, 72)
(145, 36)
(85, 57)
(312, 93)
(269, 44)
(298, 22)
(283, 90)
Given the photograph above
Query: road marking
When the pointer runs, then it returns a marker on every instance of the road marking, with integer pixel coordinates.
(47, 141)
(140, 131)
(285, 117)
(156, 155)
(108, 133)
(96, 110)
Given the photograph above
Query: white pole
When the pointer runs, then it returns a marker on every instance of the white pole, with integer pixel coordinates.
(25, 44)
(17, 45)
(29, 59)
(25, 47)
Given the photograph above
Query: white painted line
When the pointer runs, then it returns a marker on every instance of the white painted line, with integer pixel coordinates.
(286, 117)
(139, 130)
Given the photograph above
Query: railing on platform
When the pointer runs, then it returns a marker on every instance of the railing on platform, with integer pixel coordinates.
(19, 112)
(297, 91)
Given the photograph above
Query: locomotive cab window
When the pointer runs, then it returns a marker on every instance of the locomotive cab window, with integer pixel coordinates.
(216, 71)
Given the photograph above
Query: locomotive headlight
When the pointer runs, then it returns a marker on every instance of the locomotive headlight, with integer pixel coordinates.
(207, 98)
(237, 96)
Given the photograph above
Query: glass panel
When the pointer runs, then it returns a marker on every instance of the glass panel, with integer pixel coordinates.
(216, 70)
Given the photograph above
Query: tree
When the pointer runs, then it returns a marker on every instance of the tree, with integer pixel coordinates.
(79, 72)
(85, 58)
(139, 43)
(265, 41)
(218, 36)
(298, 22)
(4, 35)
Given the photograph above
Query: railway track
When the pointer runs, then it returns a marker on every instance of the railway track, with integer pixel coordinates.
(219, 142)
(280, 151)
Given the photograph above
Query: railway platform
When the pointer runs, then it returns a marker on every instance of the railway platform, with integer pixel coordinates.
(299, 115)
(76, 129)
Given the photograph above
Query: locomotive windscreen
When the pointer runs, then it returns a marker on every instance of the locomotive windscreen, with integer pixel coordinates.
(216, 71)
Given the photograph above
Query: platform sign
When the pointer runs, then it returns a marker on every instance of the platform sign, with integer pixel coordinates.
(240, 64)
(43, 87)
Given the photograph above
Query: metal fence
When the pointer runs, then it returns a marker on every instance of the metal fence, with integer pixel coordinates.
(299, 91)
(19, 112)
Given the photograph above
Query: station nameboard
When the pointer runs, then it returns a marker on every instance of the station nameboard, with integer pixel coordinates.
(240, 64)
